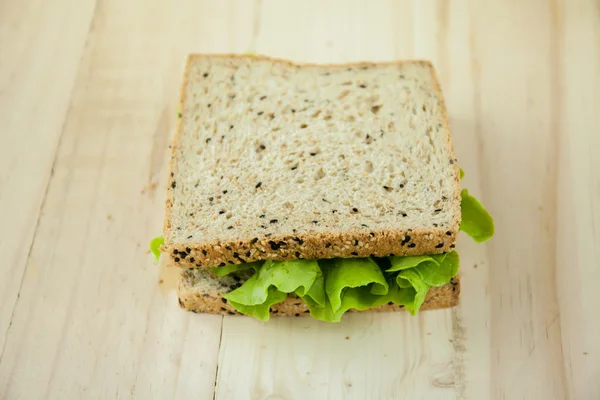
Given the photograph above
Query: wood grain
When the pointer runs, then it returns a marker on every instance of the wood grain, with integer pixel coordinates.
(36, 42)
(87, 108)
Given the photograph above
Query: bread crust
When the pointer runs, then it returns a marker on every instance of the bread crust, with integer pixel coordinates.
(311, 245)
(197, 301)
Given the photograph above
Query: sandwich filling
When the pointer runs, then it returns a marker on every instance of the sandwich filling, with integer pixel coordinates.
(331, 287)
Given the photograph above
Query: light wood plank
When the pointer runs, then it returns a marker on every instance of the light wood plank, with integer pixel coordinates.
(40, 52)
(94, 319)
(578, 191)
(514, 73)
(366, 356)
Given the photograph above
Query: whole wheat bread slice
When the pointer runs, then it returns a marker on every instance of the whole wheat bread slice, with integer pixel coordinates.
(200, 291)
(274, 160)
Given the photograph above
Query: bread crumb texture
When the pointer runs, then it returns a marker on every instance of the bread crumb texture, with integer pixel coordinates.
(274, 160)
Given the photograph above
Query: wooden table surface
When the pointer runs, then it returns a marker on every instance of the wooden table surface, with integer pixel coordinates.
(88, 93)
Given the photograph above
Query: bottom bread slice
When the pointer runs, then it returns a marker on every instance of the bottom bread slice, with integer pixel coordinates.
(201, 292)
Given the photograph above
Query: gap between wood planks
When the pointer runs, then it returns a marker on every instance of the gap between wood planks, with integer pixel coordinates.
(49, 179)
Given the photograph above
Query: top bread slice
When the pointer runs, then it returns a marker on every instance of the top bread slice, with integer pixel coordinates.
(274, 160)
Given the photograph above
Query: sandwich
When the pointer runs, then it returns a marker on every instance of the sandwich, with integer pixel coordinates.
(314, 190)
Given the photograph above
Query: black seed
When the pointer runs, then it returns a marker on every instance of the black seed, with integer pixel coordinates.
(437, 210)
(449, 233)
(355, 242)
(294, 168)
(297, 254)
(264, 227)
(333, 211)
(203, 251)
(306, 311)
(364, 225)
(404, 215)
(297, 239)
(222, 212)
(260, 113)
(197, 265)
(452, 246)
(401, 185)
(208, 105)
(261, 216)
(390, 303)
(223, 309)
(355, 209)
(282, 243)
(224, 191)
(372, 234)
(211, 198)
(224, 300)
(259, 184)
(392, 255)
(205, 74)
(435, 225)
(293, 110)
(192, 259)
(173, 184)
(297, 315)
(274, 246)
(230, 227)
(263, 97)
(188, 250)
(176, 259)
(230, 127)
(189, 237)
(248, 254)
(328, 245)
(254, 240)
(362, 86)
(387, 188)
(222, 264)
(313, 154)
(315, 221)
(262, 147)
(273, 221)
(230, 313)
(236, 254)
(411, 245)
(451, 162)
(354, 253)
(175, 251)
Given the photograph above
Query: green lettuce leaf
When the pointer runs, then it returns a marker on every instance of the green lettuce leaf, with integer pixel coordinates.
(155, 247)
(411, 282)
(349, 273)
(350, 283)
(272, 283)
(418, 273)
(233, 268)
(476, 220)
